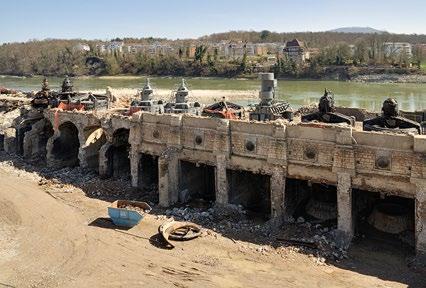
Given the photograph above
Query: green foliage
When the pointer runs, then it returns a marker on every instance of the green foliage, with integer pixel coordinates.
(264, 35)
(200, 52)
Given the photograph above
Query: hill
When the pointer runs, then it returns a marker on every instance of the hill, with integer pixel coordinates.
(362, 30)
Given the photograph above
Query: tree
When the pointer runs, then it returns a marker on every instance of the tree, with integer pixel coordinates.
(264, 35)
(200, 52)
(361, 52)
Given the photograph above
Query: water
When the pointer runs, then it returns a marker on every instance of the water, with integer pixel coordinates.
(410, 96)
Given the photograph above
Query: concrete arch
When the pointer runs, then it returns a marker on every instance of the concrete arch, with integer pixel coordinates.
(64, 146)
(115, 155)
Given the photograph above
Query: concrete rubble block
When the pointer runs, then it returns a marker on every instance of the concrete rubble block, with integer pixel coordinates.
(420, 143)
(9, 140)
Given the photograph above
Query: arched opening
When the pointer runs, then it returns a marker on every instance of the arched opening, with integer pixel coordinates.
(95, 138)
(118, 155)
(35, 141)
(21, 130)
(66, 146)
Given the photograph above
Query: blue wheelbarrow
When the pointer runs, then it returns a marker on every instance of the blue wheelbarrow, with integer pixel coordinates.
(128, 213)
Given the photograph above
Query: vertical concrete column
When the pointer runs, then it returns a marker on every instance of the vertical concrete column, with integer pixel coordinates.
(135, 157)
(168, 178)
(221, 180)
(278, 179)
(82, 155)
(103, 160)
(344, 205)
(50, 159)
(420, 217)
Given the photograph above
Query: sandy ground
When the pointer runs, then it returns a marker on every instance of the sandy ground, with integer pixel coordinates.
(62, 238)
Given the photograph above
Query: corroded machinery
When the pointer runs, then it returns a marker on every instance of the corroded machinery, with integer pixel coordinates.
(224, 109)
(327, 112)
(68, 99)
(43, 98)
(146, 101)
(390, 120)
(182, 103)
(269, 108)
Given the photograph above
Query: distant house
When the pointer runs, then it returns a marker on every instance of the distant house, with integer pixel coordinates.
(115, 46)
(110, 47)
(397, 49)
(81, 47)
(296, 51)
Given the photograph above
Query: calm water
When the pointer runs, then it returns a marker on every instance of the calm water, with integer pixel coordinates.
(411, 97)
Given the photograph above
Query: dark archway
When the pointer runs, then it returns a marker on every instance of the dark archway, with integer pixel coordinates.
(252, 191)
(313, 201)
(66, 146)
(384, 222)
(148, 172)
(197, 181)
(118, 155)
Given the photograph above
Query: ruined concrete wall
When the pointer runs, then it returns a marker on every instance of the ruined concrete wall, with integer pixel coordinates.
(84, 121)
(323, 153)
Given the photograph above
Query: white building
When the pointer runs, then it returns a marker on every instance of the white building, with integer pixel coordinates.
(397, 48)
(82, 47)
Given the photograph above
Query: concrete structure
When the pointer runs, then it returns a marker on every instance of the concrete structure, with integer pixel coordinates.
(268, 167)
(254, 164)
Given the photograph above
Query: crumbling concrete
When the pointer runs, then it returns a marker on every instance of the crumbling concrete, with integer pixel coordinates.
(333, 154)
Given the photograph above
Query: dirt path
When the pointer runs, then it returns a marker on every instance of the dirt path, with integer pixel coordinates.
(65, 240)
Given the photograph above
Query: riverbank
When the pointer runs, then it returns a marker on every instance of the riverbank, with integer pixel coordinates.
(390, 78)
(342, 75)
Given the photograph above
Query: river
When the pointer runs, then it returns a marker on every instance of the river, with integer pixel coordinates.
(410, 96)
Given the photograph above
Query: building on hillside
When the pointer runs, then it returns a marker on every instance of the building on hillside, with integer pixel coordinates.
(397, 49)
(110, 47)
(81, 47)
(296, 51)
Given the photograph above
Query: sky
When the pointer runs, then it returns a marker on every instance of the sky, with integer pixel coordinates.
(22, 20)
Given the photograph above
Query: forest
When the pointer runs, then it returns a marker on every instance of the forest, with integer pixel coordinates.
(53, 57)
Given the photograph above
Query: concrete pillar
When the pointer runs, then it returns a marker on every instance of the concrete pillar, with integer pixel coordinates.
(420, 218)
(103, 160)
(50, 159)
(221, 180)
(9, 141)
(278, 180)
(344, 206)
(82, 155)
(168, 178)
(135, 157)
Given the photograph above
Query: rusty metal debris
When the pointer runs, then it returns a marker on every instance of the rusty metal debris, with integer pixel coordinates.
(224, 109)
(178, 231)
(390, 120)
(327, 112)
